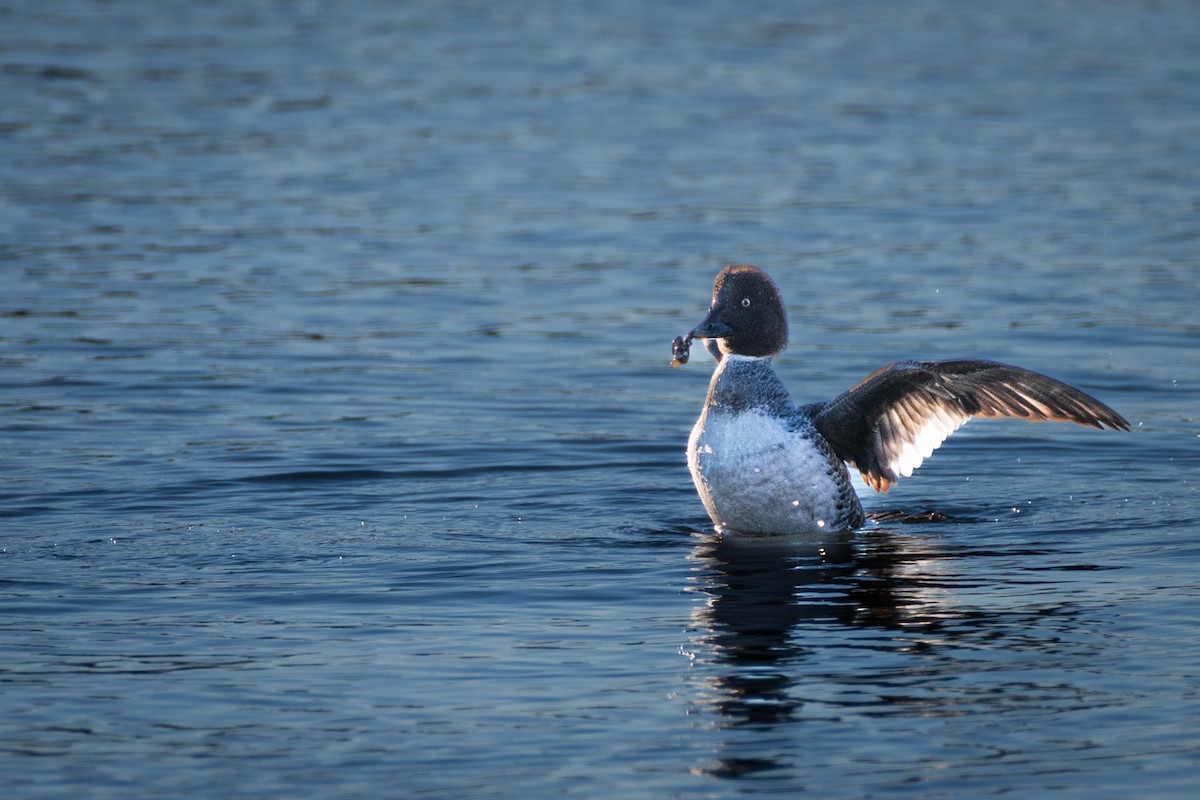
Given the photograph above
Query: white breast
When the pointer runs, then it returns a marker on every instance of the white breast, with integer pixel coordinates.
(755, 476)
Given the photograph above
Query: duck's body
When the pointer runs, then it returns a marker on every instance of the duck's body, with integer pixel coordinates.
(763, 465)
(759, 463)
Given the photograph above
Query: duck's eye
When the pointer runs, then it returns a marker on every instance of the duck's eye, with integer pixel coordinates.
(745, 302)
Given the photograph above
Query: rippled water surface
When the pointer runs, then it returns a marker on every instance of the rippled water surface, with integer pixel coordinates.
(342, 459)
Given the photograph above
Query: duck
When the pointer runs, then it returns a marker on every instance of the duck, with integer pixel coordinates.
(762, 464)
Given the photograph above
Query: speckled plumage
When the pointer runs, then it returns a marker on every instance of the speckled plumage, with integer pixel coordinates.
(757, 461)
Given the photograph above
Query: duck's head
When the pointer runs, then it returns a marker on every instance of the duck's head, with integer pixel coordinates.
(747, 316)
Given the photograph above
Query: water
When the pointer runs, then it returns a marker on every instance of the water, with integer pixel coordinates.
(342, 458)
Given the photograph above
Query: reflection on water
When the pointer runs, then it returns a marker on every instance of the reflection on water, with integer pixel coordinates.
(777, 611)
(880, 653)
(761, 590)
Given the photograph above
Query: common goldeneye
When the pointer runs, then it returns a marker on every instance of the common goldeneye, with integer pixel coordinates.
(761, 464)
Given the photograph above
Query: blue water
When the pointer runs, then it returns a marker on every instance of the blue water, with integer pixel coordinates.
(342, 458)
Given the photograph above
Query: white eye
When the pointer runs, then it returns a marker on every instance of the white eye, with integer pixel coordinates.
(745, 302)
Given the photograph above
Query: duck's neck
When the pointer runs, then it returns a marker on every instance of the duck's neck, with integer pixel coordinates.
(742, 383)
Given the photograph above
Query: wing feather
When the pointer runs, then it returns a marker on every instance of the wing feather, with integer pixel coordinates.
(896, 417)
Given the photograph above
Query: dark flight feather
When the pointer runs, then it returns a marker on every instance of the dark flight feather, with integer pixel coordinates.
(892, 420)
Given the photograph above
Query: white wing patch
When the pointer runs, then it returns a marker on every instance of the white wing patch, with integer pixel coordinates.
(915, 430)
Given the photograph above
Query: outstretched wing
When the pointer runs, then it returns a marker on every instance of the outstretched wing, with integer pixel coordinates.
(895, 418)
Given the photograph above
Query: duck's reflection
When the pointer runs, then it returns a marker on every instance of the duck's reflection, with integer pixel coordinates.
(767, 600)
